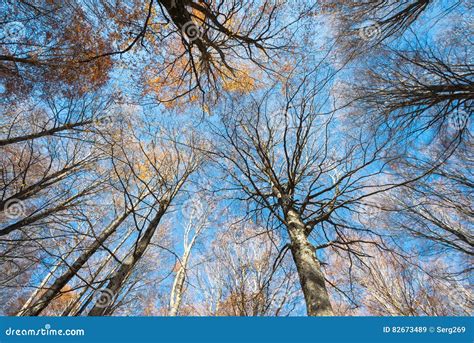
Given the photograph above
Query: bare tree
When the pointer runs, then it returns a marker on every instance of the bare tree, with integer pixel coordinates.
(436, 209)
(244, 274)
(292, 171)
(163, 172)
(198, 213)
(388, 284)
(191, 45)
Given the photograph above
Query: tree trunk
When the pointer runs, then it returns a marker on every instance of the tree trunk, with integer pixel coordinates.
(178, 286)
(76, 306)
(41, 215)
(48, 132)
(309, 269)
(61, 281)
(35, 188)
(38, 290)
(119, 277)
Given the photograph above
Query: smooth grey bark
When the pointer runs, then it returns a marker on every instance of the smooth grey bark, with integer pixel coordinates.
(309, 269)
(60, 282)
(178, 286)
(119, 277)
(74, 308)
(37, 291)
(177, 289)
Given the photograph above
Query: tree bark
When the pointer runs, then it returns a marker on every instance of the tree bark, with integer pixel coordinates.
(27, 221)
(75, 306)
(178, 286)
(119, 277)
(60, 282)
(37, 291)
(35, 188)
(309, 269)
(47, 132)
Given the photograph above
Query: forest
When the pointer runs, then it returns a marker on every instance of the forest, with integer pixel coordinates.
(236, 157)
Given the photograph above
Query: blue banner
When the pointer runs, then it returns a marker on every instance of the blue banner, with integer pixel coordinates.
(236, 330)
